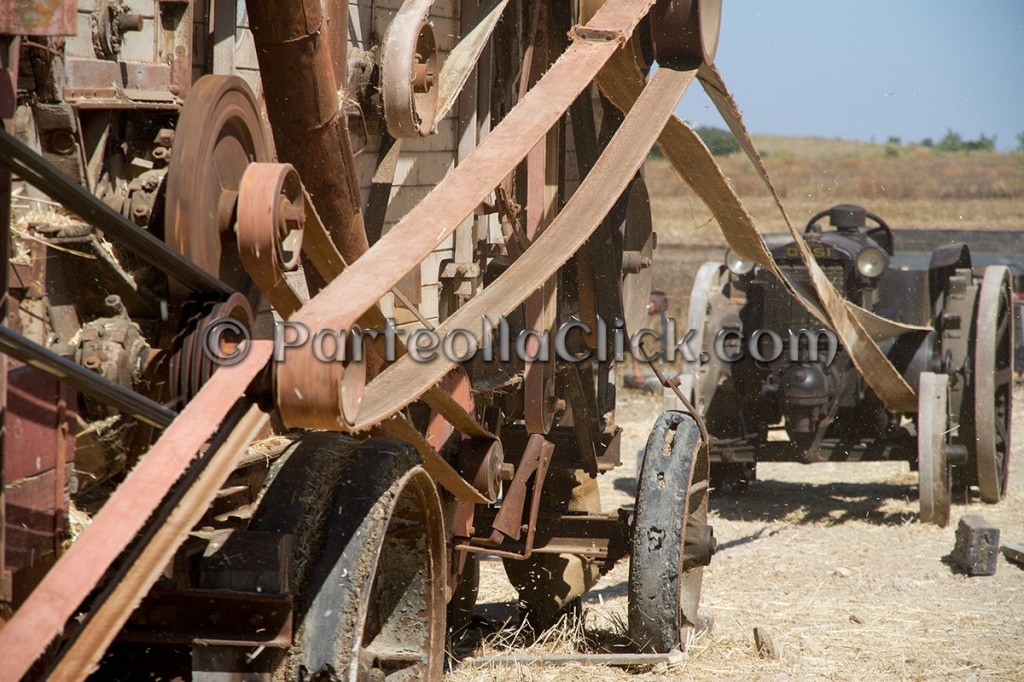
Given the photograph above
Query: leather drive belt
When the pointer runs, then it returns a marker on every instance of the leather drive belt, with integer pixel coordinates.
(407, 381)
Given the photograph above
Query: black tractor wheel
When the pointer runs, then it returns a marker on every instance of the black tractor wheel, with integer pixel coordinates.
(672, 541)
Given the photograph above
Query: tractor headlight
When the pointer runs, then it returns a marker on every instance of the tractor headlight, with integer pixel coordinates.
(871, 262)
(737, 265)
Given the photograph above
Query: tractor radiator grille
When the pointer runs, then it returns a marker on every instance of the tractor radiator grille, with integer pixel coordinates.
(782, 312)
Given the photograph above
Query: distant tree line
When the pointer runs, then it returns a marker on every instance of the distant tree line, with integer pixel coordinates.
(722, 143)
(955, 142)
(719, 142)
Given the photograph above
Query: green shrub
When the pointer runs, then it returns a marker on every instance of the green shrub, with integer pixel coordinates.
(719, 142)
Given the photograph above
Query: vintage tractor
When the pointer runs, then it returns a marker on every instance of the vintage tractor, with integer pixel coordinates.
(774, 384)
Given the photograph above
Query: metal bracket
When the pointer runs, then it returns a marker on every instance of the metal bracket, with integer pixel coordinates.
(459, 271)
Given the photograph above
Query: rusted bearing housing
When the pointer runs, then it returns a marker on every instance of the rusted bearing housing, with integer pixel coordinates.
(684, 33)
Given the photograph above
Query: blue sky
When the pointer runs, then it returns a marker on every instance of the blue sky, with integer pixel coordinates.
(868, 69)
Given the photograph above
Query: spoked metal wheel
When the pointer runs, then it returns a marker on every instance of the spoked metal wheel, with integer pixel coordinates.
(376, 605)
(993, 383)
(637, 253)
(671, 539)
(932, 436)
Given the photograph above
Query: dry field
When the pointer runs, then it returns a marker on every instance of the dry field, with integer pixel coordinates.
(916, 188)
(830, 558)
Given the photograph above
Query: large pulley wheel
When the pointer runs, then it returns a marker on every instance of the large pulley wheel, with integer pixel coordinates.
(932, 438)
(219, 134)
(684, 33)
(637, 255)
(376, 604)
(993, 383)
(672, 541)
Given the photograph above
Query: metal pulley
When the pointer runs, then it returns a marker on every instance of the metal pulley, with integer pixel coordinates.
(218, 135)
(417, 91)
(684, 33)
(410, 70)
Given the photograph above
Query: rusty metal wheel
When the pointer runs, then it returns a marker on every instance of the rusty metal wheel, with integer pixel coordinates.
(637, 255)
(219, 134)
(685, 32)
(699, 379)
(932, 437)
(993, 383)
(376, 598)
(672, 541)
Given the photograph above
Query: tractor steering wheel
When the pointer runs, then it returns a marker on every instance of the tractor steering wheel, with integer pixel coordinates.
(881, 234)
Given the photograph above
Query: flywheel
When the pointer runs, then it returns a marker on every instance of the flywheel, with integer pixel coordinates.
(219, 134)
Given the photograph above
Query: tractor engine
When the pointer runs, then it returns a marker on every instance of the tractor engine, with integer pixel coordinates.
(804, 377)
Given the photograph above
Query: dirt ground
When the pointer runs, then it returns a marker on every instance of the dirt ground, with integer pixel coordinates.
(831, 559)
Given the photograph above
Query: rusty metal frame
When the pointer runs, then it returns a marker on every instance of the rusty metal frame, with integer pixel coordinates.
(44, 613)
(351, 296)
(211, 617)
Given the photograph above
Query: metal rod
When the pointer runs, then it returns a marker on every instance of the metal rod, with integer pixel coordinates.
(46, 177)
(620, 660)
(91, 384)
